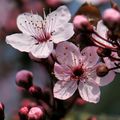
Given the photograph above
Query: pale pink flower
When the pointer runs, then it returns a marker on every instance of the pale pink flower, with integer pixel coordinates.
(77, 70)
(102, 41)
(38, 34)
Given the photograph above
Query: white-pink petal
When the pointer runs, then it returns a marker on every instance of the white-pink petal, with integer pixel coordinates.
(22, 42)
(64, 89)
(106, 79)
(111, 63)
(90, 56)
(102, 31)
(63, 33)
(60, 16)
(62, 72)
(68, 54)
(89, 91)
(28, 23)
(42, 50)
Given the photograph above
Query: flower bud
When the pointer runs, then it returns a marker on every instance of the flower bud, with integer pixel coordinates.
(92, 118)
(81, 23)
(36, 113)
(2, 116)
(80, 102)
(53, 3)
(102, 70)
(23, 113)
(111, 18)
(24, 78)
(35, 91)
(103, 52)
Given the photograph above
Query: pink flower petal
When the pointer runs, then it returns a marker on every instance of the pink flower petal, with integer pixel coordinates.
(42, 50)
(105, 80)
(63, 33)
(67, 53)
(90, 56)
(21, 42)
(89, 91)
(28, 23)
(102, 31)
(62, 72)
(64, 89)
(60, 16)
(108, 62)
(111, 63)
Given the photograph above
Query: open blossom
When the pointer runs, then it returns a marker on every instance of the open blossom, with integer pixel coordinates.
(102, 40)
(38, 34)
(77, 70)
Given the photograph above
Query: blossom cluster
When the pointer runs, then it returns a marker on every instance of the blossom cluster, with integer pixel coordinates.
(82, 52)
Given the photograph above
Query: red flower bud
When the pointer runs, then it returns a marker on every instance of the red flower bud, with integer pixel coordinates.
(103, 52)
(2, 116)
(102, 70)
(23, 113)
(92, 118)
(53, 3)
(81, 23)
(24, 78)
(111, 18)
(35, 91)
(36, 113)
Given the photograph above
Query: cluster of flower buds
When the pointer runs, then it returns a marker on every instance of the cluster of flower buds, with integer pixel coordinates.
(33, 113)
(36, 111)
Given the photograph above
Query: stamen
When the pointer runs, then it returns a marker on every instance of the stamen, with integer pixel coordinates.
(44, 14)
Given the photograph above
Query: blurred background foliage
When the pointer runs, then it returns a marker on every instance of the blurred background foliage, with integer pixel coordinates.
(12, 61)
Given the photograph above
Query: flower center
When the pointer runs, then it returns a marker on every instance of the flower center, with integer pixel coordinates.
(78, 72)
(44, 36)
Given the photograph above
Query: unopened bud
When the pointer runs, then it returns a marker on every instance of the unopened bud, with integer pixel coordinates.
(92, 118)
(35, 91)
(80, 102)
(24, 78)
(36, 113)
(23, 112)
(81, 23)
(53, 3)
(111, 18)
(102, 70)
(2, 111)
(103, 52)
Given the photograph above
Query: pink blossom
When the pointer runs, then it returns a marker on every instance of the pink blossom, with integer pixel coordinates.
(102, 41)
(38, 35)
(77, 70)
